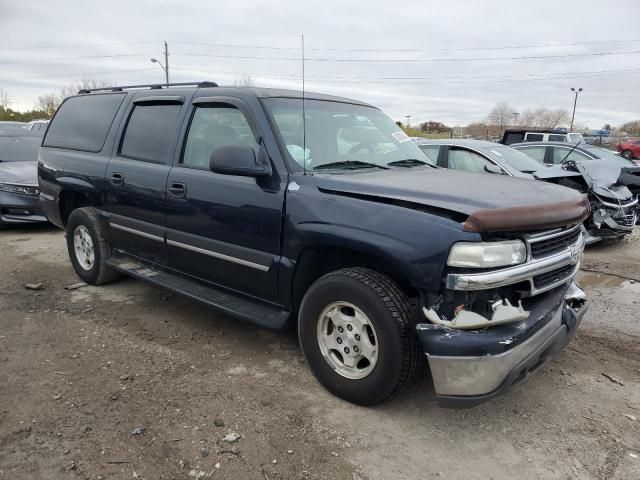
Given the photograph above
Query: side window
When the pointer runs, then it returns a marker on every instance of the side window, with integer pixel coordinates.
(557, 138)
(537, 153)
(83, 122)
(559, 155)
(431, 151)
(460, 159)
(212, 127)
(150, 132)
(637, 143)
(534, 137)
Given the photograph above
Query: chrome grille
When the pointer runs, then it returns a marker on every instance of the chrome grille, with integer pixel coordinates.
(550, 278)
(548, 243)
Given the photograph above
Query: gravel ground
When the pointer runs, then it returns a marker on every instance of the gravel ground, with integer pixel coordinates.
(129, 381)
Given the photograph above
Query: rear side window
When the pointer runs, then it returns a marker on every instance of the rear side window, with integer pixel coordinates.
(557, 138)
(537, 153)
(534, 137)
(431, 151)
(150, 132)
(82, 123)
(562, 154)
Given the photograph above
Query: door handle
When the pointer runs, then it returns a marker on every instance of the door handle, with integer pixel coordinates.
(178, 190)
(117, 179)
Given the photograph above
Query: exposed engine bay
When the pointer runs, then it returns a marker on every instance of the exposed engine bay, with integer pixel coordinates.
(612, 192)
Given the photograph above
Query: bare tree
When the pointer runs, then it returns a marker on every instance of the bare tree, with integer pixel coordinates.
(47, 103)
(501, 115)
(544, 118)
(4, 99)
(50, 102)
(85, 84)
(244, 80)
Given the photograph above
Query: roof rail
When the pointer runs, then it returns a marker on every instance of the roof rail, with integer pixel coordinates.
(152, 86)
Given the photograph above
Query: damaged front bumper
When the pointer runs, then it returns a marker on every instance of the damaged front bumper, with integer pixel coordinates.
(471, 367)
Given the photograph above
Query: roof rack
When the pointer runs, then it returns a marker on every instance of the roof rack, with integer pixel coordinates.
(152, 86)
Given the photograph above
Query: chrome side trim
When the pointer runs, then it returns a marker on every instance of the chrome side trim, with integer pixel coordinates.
(136, 232)
(221, 256)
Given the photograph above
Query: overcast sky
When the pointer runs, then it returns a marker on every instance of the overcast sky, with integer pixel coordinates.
(444, 61)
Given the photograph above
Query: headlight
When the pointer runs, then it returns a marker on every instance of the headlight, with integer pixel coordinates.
(487, 254)
(21, 189)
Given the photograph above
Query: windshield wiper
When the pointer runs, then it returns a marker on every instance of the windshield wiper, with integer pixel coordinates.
(349, 165)
(408, 162)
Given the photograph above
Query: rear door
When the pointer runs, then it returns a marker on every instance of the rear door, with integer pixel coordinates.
(137, 175)
(224, 229)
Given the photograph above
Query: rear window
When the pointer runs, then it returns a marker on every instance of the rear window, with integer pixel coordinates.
(557, 138)
(150, 132)
(82, 123)
(17, 149)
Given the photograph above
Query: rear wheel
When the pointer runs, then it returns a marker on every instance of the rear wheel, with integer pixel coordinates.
(88, 247)
(628, 154)
(356, 335)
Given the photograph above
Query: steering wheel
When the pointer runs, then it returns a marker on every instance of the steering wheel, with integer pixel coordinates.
(362, 146)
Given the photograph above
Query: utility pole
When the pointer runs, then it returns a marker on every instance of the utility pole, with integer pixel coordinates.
(166, 61)
(515, 115)
(575, 101)
(408, 117)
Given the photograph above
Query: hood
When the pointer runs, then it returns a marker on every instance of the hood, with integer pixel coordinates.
(514, 203)
(601, 176)
(23, 173)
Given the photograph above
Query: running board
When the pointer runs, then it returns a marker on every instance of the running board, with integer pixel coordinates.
(254, 311)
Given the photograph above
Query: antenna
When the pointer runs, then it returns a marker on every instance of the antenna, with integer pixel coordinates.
(304, 120)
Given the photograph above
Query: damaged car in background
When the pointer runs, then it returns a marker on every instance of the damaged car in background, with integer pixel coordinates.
(611, 182)
(610, 189)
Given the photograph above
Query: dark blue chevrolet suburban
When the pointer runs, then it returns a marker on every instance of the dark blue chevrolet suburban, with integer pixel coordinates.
(331, 218)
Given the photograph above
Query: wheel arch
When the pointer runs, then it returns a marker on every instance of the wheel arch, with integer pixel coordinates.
(317, 260)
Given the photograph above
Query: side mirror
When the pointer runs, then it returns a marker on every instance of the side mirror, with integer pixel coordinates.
(493, 169)
(239, 160)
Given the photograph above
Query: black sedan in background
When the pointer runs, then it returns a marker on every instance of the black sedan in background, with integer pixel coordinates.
(19, 192)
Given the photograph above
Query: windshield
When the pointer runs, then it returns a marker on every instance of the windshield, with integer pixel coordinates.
(15, 149)
(608, 155)
(344, 135)
(513, 158)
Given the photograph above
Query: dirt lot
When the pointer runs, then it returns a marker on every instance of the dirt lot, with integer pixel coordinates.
(81, 370)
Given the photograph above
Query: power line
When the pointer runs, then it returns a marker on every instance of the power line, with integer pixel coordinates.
(463, 79)
(84, 45)
(409, 60)
(67, 74)
(408, 50)
(118, 55)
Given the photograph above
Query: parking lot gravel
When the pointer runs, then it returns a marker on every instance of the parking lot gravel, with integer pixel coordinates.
(130, 381)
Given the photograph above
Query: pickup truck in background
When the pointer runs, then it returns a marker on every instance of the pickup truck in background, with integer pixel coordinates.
(335, 221)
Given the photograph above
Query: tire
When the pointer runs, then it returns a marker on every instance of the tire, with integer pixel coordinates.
(628, 154)
(84, 225)
(386, 308)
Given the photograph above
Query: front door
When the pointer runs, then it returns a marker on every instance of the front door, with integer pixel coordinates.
(137, 176)
(224, 229)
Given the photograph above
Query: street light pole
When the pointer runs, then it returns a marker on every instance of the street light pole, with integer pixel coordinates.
(575, 101)
(164, 67)
(515, 116)
(408, 117)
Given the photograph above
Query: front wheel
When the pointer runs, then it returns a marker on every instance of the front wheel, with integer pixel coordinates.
(356, 335)
(88, 247)
(628, 154)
